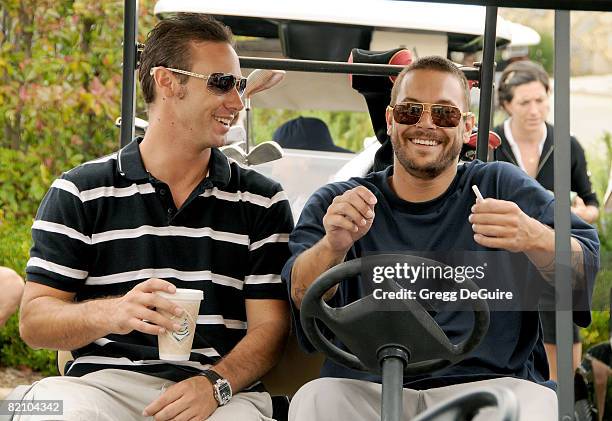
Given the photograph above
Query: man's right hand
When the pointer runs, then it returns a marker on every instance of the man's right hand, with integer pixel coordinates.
(129, 312)
(348, 218)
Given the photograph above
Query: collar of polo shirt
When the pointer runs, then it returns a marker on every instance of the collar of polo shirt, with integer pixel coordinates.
(130, 165)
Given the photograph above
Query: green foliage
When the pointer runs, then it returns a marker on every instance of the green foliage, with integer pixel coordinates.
(60, 92)
(598, 330)
(15, 353)
(26, 181)
(603, 284)
(543, 53)
(14, 244)
(599, 166)
(14, 248)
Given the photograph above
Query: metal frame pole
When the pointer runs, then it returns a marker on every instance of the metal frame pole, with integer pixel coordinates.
(487, 73)
(392, 389)
(563, 285)
(128, 87)
(334, 67)
(392, 360)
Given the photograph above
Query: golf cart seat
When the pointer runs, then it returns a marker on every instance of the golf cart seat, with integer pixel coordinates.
(376, 90)
(294, 369)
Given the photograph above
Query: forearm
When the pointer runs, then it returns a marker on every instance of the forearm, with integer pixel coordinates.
(12, 286)
(9, 305)
(48, 322)
(255, 354)
(5, 313)
(309, 265)
(542, 255)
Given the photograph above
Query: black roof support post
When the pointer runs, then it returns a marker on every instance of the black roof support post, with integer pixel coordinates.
(128, 87)
(487, 72)
(563, 259)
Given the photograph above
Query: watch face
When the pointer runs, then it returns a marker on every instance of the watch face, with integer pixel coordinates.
(223, 391)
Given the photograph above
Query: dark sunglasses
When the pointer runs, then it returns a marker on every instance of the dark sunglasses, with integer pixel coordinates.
(442, 115)
(217, 83)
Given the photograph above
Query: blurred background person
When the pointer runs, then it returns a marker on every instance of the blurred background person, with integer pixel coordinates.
(11, 286)
(527, 139)
(527, 142)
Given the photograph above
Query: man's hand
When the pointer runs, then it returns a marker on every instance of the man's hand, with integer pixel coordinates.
(588, 213)
(189, 400)
(502, 224)
(348, 218)
(579, 208)
(129, 312)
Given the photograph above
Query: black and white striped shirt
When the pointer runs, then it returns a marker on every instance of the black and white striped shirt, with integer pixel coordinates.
(108, 225)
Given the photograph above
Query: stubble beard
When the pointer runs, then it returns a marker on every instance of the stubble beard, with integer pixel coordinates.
(448, 156)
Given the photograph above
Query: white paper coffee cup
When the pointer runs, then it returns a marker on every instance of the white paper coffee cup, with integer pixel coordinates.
(176, 345)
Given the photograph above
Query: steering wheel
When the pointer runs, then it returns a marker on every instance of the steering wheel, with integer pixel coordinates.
(366, 326)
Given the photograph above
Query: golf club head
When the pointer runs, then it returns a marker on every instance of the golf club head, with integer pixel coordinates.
(236, 134)
(140, 125)
(265, 152)
(262, 79)
(234, 152)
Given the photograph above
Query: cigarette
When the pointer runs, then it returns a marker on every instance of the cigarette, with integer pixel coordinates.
(477, 192)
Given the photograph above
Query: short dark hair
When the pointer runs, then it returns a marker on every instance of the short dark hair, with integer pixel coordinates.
(520, 73)
(437, 63)
(169, 45)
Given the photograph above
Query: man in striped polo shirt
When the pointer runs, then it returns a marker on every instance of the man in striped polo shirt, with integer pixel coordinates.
(167, 211)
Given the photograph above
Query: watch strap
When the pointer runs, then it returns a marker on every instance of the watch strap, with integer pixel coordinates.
(212, 375)
(222, 390)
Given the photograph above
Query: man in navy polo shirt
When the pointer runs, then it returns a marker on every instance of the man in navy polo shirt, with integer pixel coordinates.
(425, 202)
(167, 211)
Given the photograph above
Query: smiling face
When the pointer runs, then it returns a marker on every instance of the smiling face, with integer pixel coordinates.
(197, 111)
(423, 149)
(529, 106)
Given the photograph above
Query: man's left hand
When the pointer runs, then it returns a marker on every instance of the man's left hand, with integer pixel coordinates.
(580, 209)
(189, 400)
(503, 225)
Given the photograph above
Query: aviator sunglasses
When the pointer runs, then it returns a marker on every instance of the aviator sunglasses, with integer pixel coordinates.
(217, 83)
(442, 115)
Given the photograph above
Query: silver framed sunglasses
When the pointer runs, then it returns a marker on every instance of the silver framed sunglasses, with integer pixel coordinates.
(217, 83)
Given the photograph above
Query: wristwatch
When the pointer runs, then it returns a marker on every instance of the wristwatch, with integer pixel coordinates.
(222, 390)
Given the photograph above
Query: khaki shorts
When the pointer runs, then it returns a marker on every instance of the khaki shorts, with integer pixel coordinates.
(120, 395)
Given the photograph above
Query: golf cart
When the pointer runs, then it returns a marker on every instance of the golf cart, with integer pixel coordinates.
(485, 73)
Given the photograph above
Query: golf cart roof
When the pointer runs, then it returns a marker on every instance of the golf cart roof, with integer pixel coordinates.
(301, 30)
(389, 16)
(593, 5)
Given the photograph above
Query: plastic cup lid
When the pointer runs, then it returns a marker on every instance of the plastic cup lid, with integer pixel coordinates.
(183, 294)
